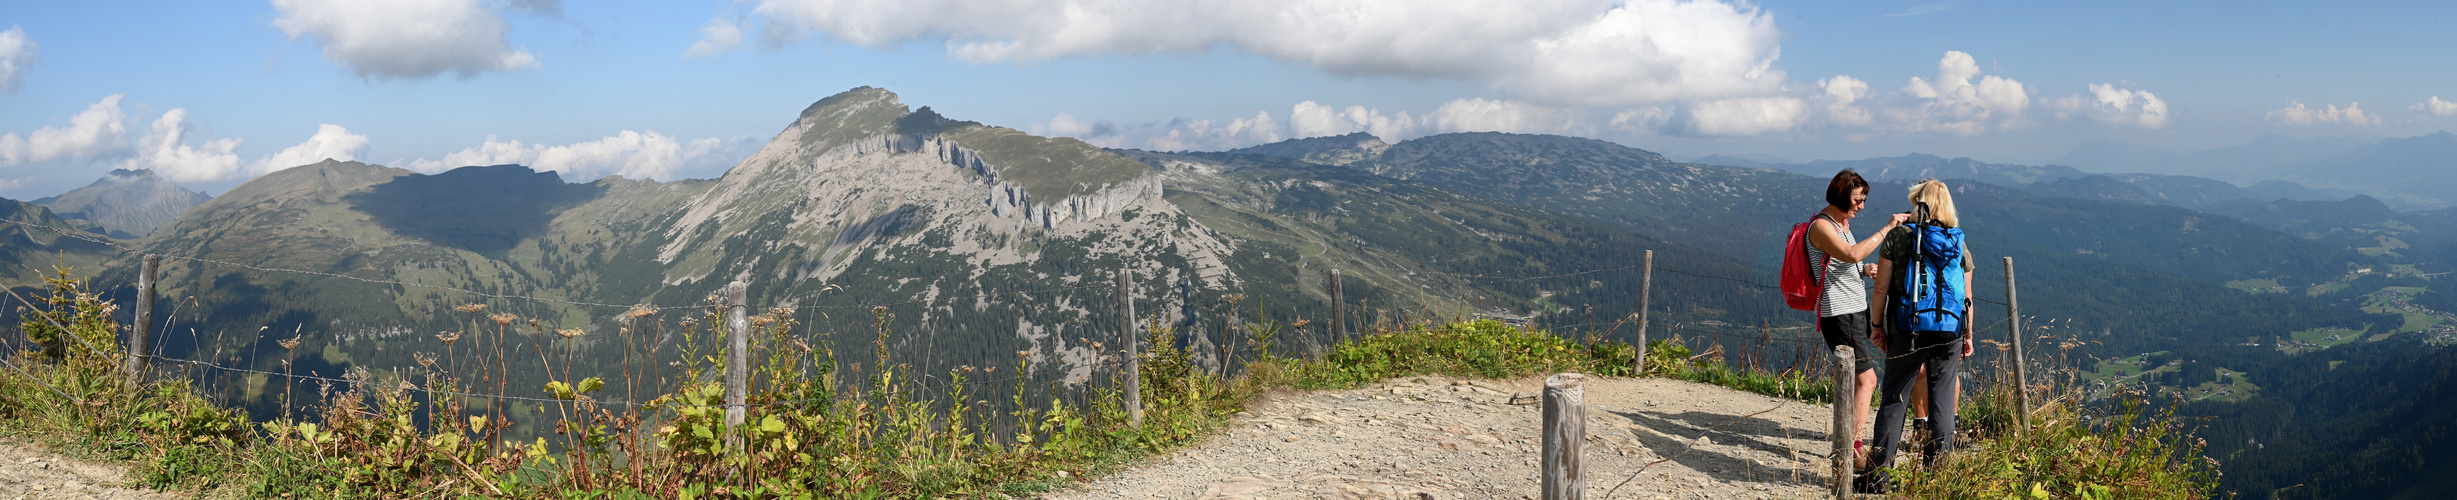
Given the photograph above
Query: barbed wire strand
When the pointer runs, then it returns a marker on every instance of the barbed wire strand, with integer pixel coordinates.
(815, 293)
(29, 376)
(604, 402)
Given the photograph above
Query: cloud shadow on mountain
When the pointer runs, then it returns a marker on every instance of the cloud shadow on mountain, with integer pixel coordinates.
(480, 209)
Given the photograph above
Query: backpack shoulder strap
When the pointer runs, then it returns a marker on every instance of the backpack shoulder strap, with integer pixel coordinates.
(1820, 265)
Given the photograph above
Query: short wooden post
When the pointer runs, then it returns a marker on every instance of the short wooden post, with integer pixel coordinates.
(1646, 290)
(1134, 348)
(1842, 436)
(1565, 432)
(140, 338)
(737, 351)
(2013, 331)
(1339, 310)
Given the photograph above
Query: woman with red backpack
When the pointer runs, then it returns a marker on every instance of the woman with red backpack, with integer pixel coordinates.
(1839, 294)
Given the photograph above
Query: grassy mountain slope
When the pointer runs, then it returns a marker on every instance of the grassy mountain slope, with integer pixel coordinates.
(1412, 245)
(33, 251)
(1717, 208)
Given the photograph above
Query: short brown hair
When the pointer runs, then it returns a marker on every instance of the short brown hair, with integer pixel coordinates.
(1838, 192)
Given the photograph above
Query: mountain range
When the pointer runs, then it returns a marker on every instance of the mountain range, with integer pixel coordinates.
(125, 204)
(977, 242)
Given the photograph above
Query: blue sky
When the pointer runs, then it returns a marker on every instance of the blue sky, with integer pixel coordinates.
(217, 93)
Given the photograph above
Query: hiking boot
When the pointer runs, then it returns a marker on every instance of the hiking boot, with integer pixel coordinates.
(1873, 482)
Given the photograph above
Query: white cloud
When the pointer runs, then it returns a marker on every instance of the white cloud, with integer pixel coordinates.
(1184, 134)
(1206, 134)
(2435, 106)
(1591, 52)
(331, 142)
(632, 154)
(165, 149)
(16, 53)
(407, 38)
(1065, 125)
(2297, 114)
(2109, 104)
(1310, 119)
(99, 131)
(1482, 115)
(1746, 116)
(1952, 103)
(720, 35)
(1841, 92)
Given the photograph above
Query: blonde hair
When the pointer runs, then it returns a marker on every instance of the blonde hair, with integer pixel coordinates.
(1940, 201)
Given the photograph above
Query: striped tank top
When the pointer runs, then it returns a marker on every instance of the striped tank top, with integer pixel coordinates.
(1845, 292)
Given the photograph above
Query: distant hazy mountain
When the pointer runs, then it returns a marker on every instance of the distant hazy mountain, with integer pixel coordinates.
(2284, 190)
(1725, 209)
(2188, 191)
(2412, 173)
(126, 203)
(1916, 166)
(2359, 222)
(28, 252)
(2058, 180)
(1334, 150)
(1752, 160)
(2239, 164)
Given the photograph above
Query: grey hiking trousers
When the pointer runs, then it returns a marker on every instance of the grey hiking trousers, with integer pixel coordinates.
(1941, 353)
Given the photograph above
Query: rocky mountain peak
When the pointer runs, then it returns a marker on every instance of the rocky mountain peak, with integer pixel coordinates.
(126, 203)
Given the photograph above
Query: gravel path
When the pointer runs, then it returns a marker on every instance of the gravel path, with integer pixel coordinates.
(1435, 437)
(30, 472)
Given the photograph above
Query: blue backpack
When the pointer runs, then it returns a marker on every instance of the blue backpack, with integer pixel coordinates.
(1930, 295)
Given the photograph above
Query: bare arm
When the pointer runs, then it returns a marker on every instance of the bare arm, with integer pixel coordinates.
(1969, 331)
(1829, 239)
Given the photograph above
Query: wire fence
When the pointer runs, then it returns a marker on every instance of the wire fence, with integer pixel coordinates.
(1800, 341)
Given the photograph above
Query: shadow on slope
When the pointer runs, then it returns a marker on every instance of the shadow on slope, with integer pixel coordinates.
(480, 209)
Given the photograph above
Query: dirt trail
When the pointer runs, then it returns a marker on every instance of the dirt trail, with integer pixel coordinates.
(30, 472)
(1446, 438)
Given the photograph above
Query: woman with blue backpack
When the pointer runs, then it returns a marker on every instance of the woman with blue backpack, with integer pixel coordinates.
(1828, 281)
(1923, 290)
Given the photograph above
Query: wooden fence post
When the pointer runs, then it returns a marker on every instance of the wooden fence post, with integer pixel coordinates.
(1133, 350)
(2013, 331)
(1646, 290)
(1842, 435)
(140, 338)
(1565, 433)
(737, 351)
(1339, 310)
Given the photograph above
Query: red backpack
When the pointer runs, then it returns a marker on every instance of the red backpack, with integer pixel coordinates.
(1801, 289)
